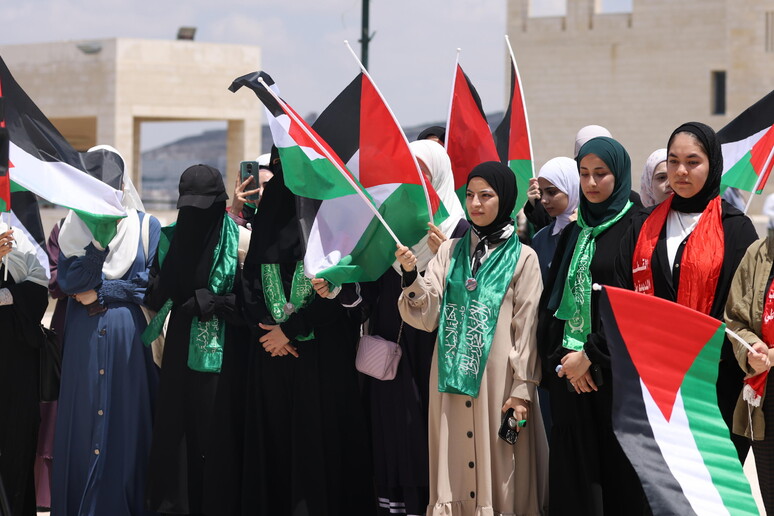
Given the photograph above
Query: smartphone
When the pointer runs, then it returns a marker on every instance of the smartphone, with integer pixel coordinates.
(247, 169)
(596, 375)
(508, 426)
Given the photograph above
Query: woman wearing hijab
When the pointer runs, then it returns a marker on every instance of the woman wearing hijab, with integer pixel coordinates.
(654, 182)
(192, 281)
(689, 246)
(589, 473)
(480, 291)
(558, 183)
(109, 380)
(305, 436)
(399, 406)
(23, 301)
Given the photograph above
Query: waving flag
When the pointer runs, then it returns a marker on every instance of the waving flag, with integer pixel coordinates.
(665, 412)
(747, 142)
(345, 241)
(5, 180)
(513, 140)
(469, 140)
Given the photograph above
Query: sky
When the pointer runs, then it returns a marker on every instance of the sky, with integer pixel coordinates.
(411, 56)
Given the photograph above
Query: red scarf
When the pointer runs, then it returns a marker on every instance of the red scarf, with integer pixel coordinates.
(754, 386)
(701, 261)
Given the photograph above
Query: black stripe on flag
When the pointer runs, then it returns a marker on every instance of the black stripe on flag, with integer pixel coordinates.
(632, 428)
(339, 123)
(250, 80)
(502, 135)
(754, 119)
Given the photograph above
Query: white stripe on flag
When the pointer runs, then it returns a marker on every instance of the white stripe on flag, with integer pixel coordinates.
(280, 127)
(734, 151)
(62, 184)
(682, 456)
(39, 251)
(339, 226)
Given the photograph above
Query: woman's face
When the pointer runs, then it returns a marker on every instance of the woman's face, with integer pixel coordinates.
(596, 180)
(553, 200)
(687, 165)
(482, 202)
(660, 183)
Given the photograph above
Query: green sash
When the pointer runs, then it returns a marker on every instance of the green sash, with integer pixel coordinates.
(301, 293)
(205, 345)
(469, 317)
(575, 307)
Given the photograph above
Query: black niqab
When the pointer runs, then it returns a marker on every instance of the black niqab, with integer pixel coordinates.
(711, 189)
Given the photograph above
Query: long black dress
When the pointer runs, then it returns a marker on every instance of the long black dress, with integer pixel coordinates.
(19, 394)
(590, 473)
(306, 442)
(738, 234)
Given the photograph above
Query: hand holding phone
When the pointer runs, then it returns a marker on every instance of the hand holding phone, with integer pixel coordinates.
(249, 169)
(508, 432)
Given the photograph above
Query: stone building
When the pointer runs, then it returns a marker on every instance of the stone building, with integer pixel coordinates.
(101, 91)
(640, 73)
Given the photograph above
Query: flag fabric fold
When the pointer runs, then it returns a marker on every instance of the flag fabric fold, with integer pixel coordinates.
(665, 414)
(43, 162)
(469, 140)
(747, 142)
(512, 139)
(345, 242)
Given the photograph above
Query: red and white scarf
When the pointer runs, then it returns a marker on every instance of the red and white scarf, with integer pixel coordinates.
(754, 386)
(701, 262)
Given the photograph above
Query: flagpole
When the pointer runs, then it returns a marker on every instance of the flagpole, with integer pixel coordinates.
(5, 258)
(335, 163)
(394, 119)
(741, 341)
(758, 182)
(451, 99)
(523, 104)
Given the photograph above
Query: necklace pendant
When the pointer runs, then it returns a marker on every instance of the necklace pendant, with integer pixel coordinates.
(471, 284)
(288, 308)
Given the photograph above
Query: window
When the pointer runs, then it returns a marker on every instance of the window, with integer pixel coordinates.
(718, 93)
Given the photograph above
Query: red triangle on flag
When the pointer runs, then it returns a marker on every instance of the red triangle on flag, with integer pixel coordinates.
(663, 340)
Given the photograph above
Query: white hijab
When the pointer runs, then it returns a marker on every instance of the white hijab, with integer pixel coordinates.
(75, 235)
(563, 173)
(646, 180)
(434, 156)
(23, 262)
(587, 133)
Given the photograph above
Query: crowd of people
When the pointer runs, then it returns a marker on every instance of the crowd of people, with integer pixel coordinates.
(204, 373)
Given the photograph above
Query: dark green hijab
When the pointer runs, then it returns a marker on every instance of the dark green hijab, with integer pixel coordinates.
(617, 160)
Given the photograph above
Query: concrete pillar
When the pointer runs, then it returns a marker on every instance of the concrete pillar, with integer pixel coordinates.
(243, 142)
(117, 129)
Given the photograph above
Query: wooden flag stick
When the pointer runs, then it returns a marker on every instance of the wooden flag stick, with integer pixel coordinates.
(394, 119)
(330, 158)
(758, 182)
(523, 103)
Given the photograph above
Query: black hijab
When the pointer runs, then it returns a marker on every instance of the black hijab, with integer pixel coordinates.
(710, 143)
(503, 182)
(617, 160)
(276, 236)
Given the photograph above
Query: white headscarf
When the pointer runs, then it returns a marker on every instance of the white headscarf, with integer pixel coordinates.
(646, 181)
(563, 173)
(75, 235)
(587, 133)
(23, 262)
(434, 156)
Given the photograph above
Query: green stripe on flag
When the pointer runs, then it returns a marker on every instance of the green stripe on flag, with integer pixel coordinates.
(710, 431)
(522, 169)
(312, 178)
(375, 251)
(16, 187)
(103, 227)
(742, 175)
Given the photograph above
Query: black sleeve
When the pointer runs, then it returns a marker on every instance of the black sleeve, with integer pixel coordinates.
(320, 312)
(29, 305)
(154, 296)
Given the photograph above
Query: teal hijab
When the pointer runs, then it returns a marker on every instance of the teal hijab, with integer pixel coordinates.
(595, 214)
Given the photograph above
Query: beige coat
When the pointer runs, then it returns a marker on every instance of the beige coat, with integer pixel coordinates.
(472, 471)
(744, 312)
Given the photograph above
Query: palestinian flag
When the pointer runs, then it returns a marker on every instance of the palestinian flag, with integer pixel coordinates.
(747, 142)
(665, 412)
(5, 180)
(513, 140)
(41, 161)
(345, 241)
(469, 140)
(25, 216)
